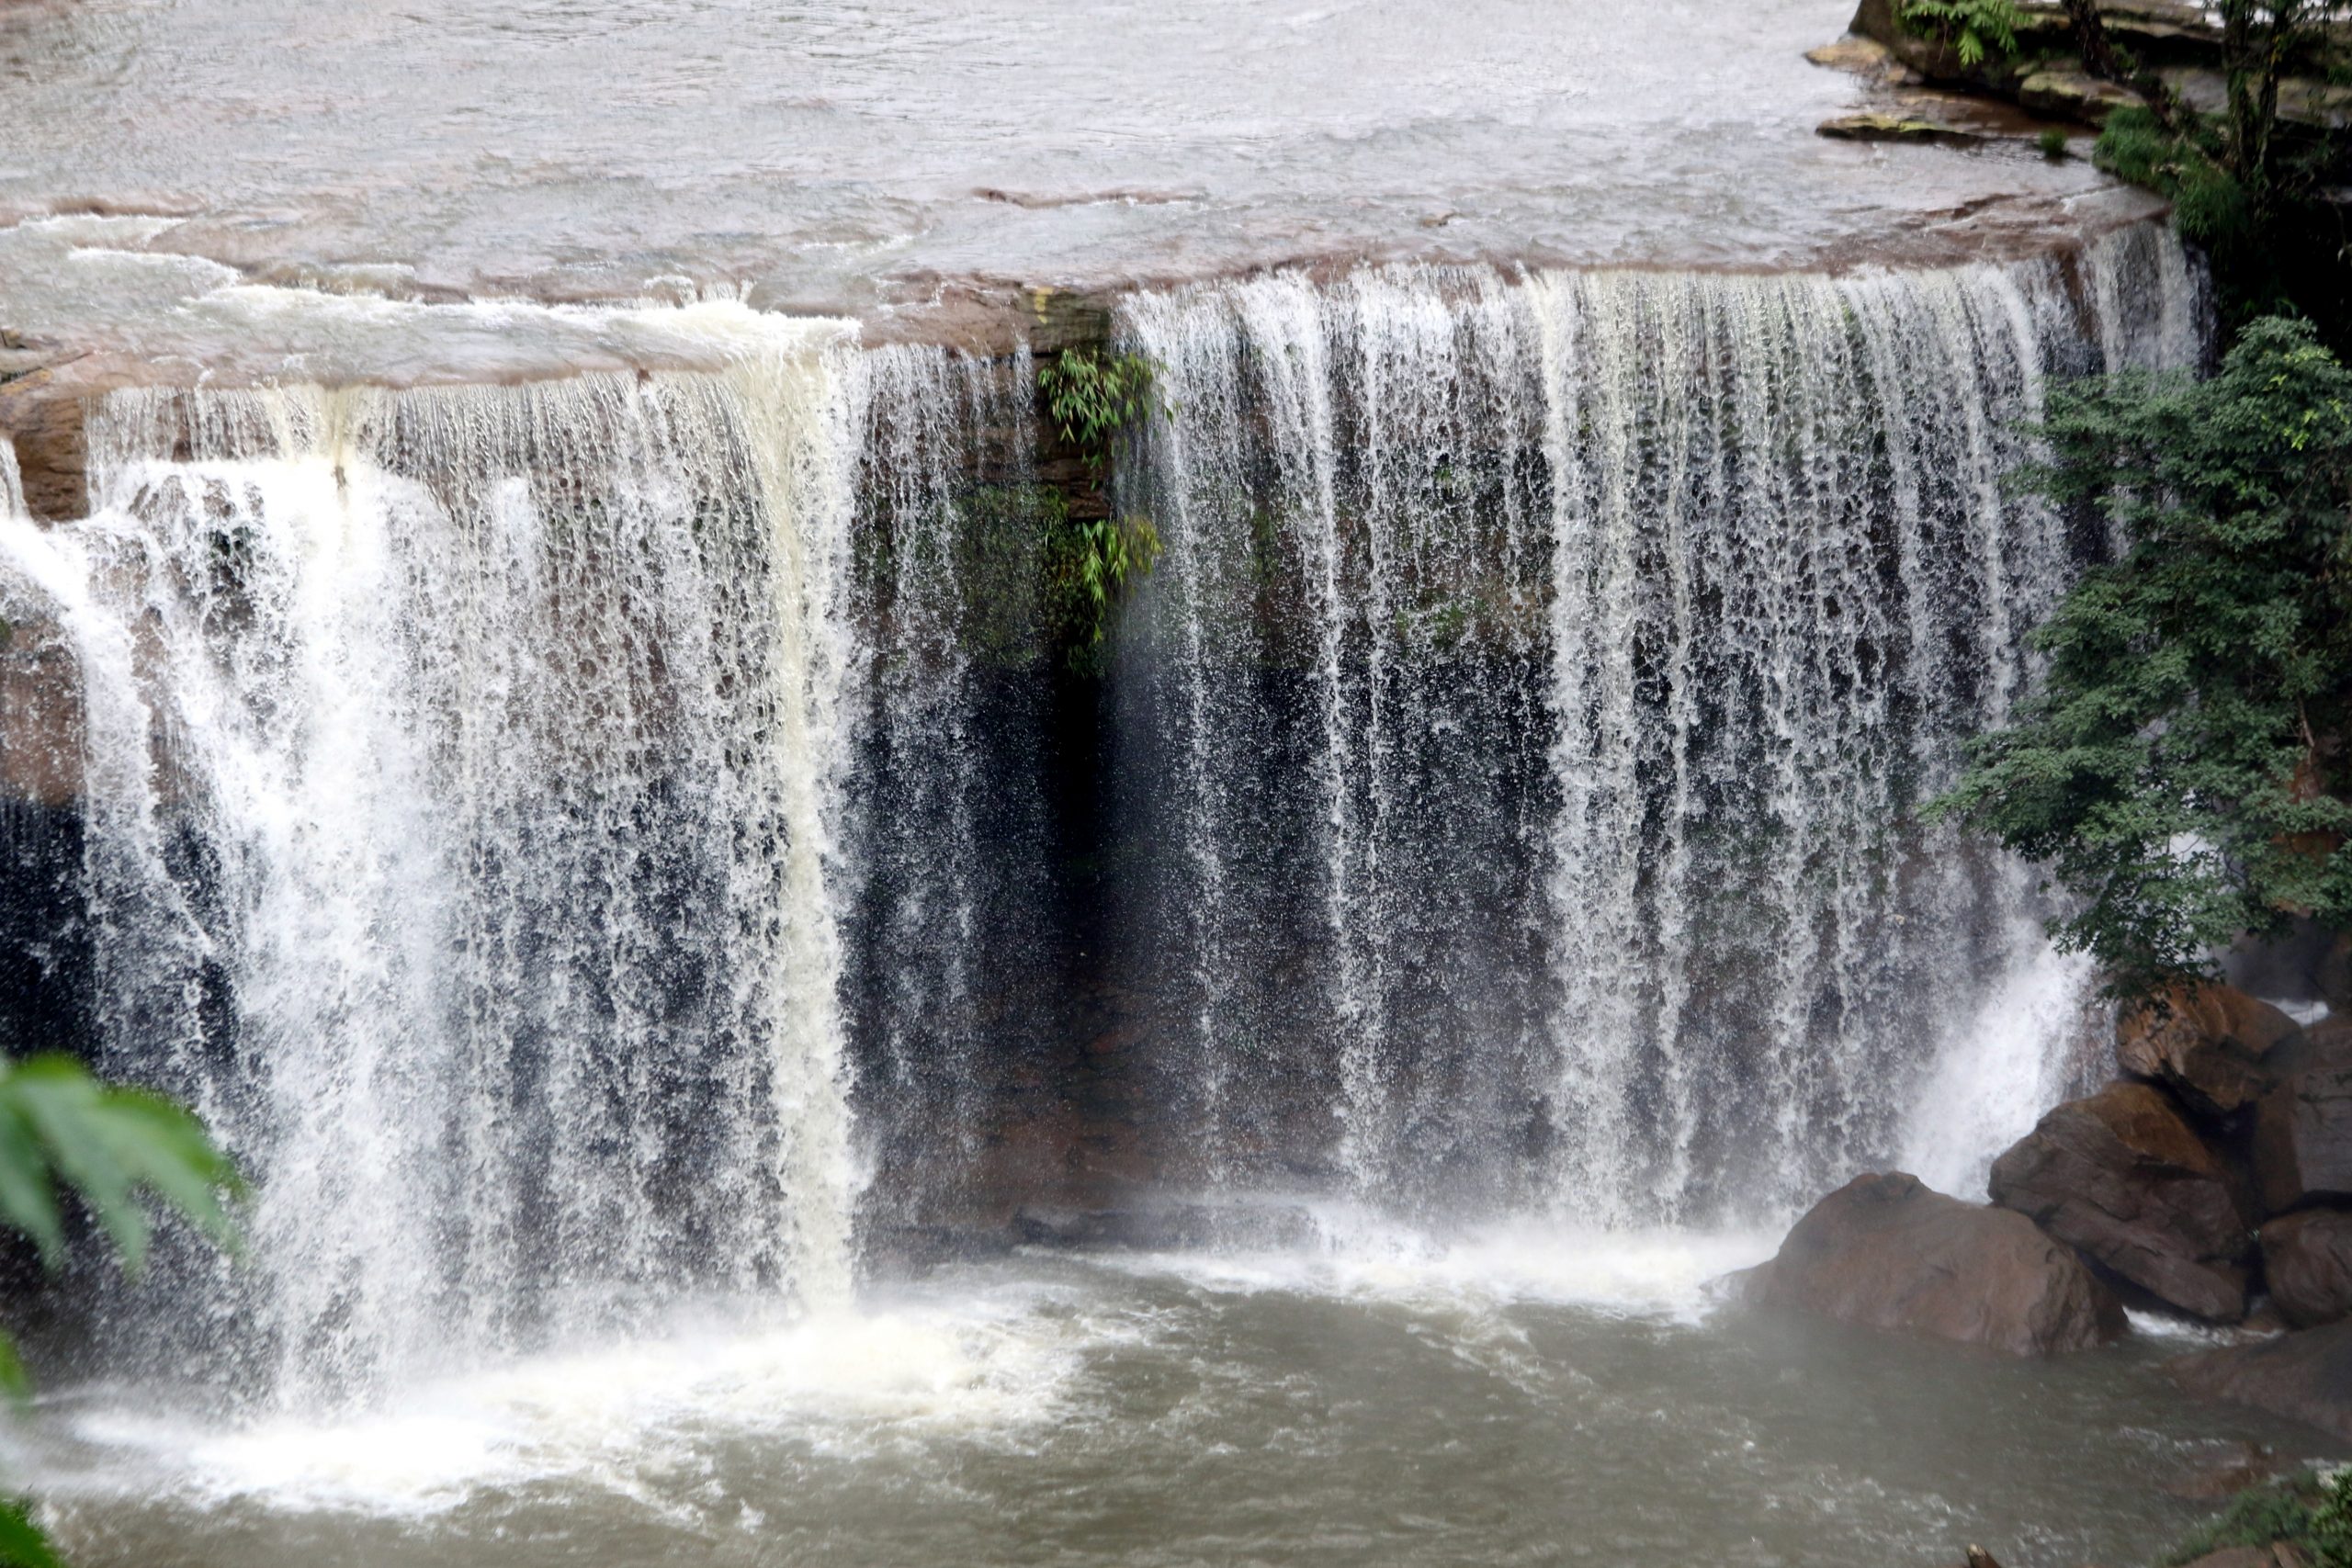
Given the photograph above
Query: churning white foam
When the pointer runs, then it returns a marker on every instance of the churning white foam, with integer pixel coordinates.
(1366, 1259)
(623, 1418)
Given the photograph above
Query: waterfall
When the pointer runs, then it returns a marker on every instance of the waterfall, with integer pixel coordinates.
(1539, 680)
(461, 768)
(954, 905)
(595, 844)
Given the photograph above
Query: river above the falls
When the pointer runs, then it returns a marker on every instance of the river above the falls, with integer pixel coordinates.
(1519, 1396)
(857, 158)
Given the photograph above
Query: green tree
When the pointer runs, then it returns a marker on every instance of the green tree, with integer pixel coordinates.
(124, 1153)
(2179, 768)
(2244, 183)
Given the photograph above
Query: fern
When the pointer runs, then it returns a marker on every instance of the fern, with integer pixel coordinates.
(1973, 27)
(1093, 399)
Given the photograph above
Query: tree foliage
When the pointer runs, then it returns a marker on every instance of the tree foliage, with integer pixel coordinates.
(2244, 183)
(2180, 767)
(1976, 29)
(124, 1153)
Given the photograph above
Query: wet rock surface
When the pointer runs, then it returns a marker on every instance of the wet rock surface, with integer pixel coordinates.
(2302, 1134)
(2307, 1264)
(2226, 1472)
(1878, 127)
(2306, 1377)
(2207, 1044)
(2125, 1178)
(2279, 1554)
(1885, 1252)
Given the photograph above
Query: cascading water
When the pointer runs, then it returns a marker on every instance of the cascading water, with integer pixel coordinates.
(1540, 679)
(528, 819)
(507, 807)
(460, 770)
(954, 905)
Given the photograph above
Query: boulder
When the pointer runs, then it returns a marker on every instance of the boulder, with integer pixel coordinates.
(1862, 56)
(1886, 1252)
(2124, 1177)
(2307, 1263)
(2205, 1043)
(2303, 1128)
(2305, 1377)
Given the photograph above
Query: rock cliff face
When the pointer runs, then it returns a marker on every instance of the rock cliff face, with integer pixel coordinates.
(1885, 1252)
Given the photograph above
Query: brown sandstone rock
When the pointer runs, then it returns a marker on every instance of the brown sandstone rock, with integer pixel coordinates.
(2073, 94)
(2302, 1130)
(2307, 1263)
(2305, 1377)
(43, 413)
(2207, 1044)
(1885, 1252)
(2125, 1178)
(1872, 126)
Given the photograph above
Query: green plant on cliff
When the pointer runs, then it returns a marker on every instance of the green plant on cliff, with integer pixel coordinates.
(1089, 564)
(2309, 1511)
(1095, 400)
(1975, 28)
(120, 1151)
(2180, 769)
(2330, 1540)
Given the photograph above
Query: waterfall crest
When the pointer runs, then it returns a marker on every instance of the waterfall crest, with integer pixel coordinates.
(1541, 676)
(463, 773)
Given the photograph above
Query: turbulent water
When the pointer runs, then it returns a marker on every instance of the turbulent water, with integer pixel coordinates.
(1520, 1397)
(628, 864)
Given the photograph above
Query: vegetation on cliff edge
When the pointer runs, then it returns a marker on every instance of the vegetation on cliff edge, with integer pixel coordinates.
(1094, 401)
(2180, 769)
(2246, 183)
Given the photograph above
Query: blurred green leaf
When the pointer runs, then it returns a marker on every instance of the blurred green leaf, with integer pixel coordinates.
(22, 1544)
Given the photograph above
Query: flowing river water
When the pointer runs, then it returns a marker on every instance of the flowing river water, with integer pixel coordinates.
(746, 1058)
